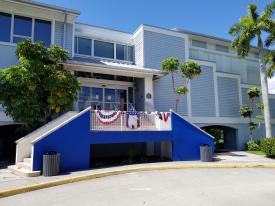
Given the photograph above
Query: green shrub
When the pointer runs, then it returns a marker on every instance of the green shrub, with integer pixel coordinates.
(251, 145)
(267, 145)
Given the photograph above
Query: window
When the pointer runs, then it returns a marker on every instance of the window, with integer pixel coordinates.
(84, 46)
(104, 49)
(5, 25)
(124, 52)
(200, 44)
(22, 28)
(42, 32)
(222, 48)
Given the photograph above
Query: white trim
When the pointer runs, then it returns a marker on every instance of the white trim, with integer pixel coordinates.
(60, 125)
(164, 31)
(73, 39)
(32, 152)
(100, 82)
(53, 33)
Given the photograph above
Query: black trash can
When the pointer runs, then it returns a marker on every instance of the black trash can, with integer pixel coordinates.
(51, 163)
(206, 153)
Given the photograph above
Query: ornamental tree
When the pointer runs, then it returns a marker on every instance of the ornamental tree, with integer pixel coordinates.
(247, 111)
(262, 28)
(188, 70)
(37, 89)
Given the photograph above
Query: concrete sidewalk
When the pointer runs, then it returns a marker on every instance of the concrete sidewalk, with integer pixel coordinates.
(9, 181)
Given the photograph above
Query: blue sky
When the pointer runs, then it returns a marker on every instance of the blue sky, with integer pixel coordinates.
(212, 17)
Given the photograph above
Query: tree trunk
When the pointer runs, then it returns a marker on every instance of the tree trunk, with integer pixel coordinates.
(177, 103)
(264, 86)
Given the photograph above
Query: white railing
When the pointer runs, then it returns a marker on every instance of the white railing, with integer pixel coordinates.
(102, 120)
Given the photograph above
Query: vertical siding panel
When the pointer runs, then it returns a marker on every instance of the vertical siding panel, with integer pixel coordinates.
(228, 95)
(202, 94)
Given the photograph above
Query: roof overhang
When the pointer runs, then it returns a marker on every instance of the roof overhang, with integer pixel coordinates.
(47, 6)
(113, 68)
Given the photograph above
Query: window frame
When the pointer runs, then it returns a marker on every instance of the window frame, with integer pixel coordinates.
(11, 29)
(13, 14)
(102, 40)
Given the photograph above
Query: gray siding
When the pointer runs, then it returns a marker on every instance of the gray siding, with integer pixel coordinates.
(202, 94)
(158, 47)
(139, 49)
(7, 56)
(228, 63)
(272, 108)
(139, 94)
(59, 31)
(228, 95)
(164, 97)
(253, 76)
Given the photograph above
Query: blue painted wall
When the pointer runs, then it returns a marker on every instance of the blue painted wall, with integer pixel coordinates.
(73, 141)
(187, 140)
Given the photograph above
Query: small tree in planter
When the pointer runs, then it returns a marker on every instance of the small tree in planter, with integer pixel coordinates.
(246, 111)
(188, 70)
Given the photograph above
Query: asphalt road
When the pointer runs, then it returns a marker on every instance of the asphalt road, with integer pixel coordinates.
(210, 187)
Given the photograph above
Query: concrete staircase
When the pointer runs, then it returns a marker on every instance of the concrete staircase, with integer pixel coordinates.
(24, 168)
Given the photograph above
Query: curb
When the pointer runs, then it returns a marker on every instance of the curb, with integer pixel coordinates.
(38, 186)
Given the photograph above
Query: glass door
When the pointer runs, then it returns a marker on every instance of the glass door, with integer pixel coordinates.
(97, 98)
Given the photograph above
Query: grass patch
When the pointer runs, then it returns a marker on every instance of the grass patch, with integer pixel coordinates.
(261, 153)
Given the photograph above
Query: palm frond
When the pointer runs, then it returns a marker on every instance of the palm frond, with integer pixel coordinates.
(252, 12)
(268, 11)
(270, 61)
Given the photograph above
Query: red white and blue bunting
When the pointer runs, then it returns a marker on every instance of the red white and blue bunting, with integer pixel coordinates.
(107, 116)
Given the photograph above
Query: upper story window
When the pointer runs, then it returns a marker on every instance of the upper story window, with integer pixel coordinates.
(15, 28)
(42, 31)
(5, 25)
(200, 44)
(104, 49)
(96, 48)
(83, 46)
(124, 52)
(222, 48)
(22, 28)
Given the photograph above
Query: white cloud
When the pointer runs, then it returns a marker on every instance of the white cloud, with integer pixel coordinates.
(271, 85)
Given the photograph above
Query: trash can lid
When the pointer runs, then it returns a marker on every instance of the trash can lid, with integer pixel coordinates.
(51, 153)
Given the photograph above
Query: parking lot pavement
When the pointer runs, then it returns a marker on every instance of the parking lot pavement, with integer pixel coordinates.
(190, 187)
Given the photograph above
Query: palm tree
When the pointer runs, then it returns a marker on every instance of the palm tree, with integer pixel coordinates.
(270, 60)
(248, 28)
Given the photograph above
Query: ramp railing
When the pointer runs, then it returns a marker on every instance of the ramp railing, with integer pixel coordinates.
(111, 120)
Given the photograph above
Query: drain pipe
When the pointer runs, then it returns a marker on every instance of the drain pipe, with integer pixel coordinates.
(65, 29)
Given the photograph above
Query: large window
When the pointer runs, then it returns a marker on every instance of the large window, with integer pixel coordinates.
(5, 25)
(197, 43)
(96, 48)
(124, 52)
(24, 28)
(103, 49)
(83, 46)
(42, 31)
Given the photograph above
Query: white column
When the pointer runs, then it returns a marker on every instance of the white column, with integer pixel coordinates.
(148, 93)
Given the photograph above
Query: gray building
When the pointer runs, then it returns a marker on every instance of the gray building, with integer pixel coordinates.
(120, 70)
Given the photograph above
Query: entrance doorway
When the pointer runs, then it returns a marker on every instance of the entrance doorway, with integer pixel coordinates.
(225, 137)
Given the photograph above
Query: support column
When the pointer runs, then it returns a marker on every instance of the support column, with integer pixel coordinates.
(148, 93)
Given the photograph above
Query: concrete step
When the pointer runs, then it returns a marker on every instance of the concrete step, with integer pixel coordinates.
(28, 160)
(24, 165)
(23, 172)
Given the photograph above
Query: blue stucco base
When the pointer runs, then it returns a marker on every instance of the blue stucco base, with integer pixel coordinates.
(73, 141)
